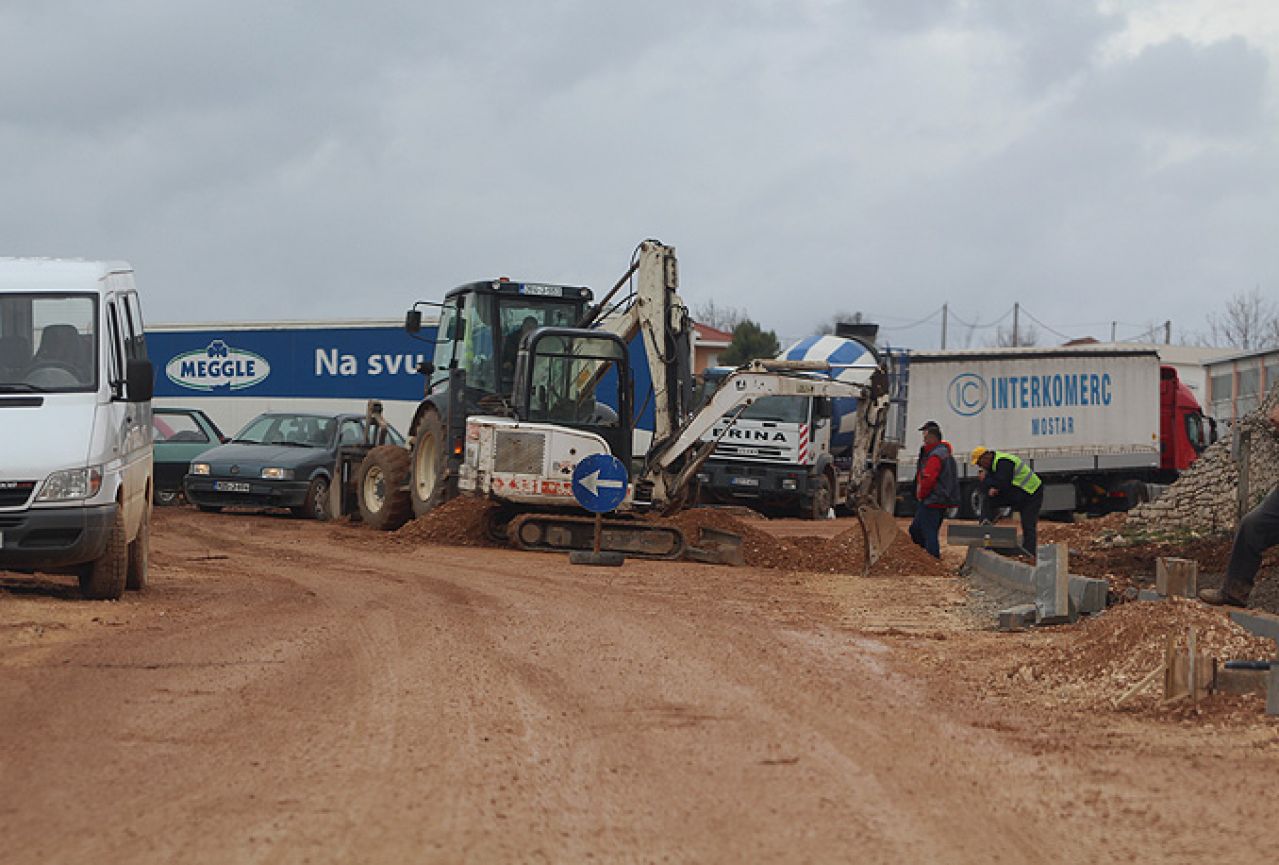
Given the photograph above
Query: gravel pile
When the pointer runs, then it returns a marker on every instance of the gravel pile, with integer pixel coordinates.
(459, 522)
(842, 554)
(462, 522)
(1102, 657)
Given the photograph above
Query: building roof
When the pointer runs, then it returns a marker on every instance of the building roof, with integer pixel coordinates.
(707, 335)
(1243, 355)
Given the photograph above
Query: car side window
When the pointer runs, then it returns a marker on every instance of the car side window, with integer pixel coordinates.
(177, 428)
(352, 432)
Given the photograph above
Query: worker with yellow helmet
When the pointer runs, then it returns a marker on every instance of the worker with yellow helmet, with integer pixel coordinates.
(1006, 481)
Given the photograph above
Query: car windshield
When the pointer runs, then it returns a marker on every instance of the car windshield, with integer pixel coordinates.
(48, 343)
(297, 430)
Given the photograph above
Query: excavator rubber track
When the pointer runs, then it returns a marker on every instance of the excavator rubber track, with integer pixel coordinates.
(565, 533)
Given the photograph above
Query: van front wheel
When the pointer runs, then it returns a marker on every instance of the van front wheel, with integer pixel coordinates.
(103, 578)
(140, 555)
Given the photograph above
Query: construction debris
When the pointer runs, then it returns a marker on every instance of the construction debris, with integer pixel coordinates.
(1113, 659)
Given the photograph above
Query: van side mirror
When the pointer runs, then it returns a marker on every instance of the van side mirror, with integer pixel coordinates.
(413, 320)
(139, 381)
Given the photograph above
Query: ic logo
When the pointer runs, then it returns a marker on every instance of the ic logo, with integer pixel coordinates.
(967, 394)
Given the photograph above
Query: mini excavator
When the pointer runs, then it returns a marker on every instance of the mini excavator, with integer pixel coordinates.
(528, 379)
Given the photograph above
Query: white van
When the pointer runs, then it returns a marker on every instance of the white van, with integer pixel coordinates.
(75, 423)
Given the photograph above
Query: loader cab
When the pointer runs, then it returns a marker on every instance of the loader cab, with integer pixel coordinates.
(579, 379)
(482, 325)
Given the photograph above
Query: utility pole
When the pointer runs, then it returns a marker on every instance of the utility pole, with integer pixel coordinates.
(1112, 331)
(1168, 332)
(944, 316)
(1016, 314)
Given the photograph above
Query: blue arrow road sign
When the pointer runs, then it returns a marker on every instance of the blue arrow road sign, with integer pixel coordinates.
(599, 483)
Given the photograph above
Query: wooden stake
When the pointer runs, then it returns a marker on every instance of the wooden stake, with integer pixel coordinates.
(1141, 686)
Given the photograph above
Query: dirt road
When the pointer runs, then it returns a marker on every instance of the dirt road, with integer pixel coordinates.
(289, 691)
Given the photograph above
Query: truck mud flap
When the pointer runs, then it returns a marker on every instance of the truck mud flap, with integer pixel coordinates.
(552, 532)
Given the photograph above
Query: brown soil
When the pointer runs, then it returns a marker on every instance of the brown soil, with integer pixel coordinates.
(288, 691)
(459, 523)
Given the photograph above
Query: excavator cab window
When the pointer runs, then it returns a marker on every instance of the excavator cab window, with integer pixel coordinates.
(577, 379)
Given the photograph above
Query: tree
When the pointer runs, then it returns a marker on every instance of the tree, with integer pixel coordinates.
(718, 317)
(1248, 321)
(1026, 335)
(749, 342)
(828, 327)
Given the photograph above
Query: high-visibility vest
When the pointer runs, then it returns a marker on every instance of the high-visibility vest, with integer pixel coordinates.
(1023, 478)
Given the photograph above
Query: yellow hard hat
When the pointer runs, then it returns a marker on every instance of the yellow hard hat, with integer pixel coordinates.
(977, 454)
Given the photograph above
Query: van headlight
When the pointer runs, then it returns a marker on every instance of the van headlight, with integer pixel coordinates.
(275, 473)
(199, 468)
(71, 485)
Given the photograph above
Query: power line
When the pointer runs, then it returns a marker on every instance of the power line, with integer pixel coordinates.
(978, 325)
(1051, 330)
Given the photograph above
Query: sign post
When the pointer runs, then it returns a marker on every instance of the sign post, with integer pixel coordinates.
(599, 485)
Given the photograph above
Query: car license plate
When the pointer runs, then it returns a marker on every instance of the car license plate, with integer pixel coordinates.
(747, 452)
(746, 482)
(231, 486)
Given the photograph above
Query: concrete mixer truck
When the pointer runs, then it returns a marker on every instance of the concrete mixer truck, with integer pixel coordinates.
(795, 453)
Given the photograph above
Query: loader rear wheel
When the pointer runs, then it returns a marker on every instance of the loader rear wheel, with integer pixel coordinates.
(428, 487)
(381, 488)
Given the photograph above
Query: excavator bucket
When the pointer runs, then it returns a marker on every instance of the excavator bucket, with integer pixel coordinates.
(879, 529)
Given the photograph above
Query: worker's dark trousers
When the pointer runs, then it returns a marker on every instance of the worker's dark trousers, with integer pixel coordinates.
(1027, 506)
(925, 529)
(1258, 530)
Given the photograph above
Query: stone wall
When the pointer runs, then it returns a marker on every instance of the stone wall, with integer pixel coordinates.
(1205, 499)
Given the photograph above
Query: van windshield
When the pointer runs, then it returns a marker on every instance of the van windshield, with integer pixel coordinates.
(48, 342)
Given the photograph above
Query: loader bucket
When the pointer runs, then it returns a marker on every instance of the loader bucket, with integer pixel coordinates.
(879, 529)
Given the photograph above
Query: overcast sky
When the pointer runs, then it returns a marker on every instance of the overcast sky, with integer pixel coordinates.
(255, 161)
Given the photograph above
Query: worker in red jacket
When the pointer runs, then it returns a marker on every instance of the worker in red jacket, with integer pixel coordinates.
(936, 488)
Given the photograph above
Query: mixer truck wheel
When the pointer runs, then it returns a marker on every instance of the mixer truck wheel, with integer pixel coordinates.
(822, 499)
(428, 488)
(382, 488)
(886, 490)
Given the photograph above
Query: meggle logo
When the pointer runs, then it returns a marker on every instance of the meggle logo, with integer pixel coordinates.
(218, 367)
(967, 394)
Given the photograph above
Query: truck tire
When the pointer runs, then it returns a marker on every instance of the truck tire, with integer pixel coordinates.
(1135, 493)
(103, 579)
(140, 555)
(427, 486)
(380, 488)
(316, 503)
(818, 505)
(886, 490)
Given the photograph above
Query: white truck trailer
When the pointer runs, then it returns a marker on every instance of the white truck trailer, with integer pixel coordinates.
(1104, 427)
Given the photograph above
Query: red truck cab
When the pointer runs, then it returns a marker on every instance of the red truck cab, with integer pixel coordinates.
(1184, 432)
